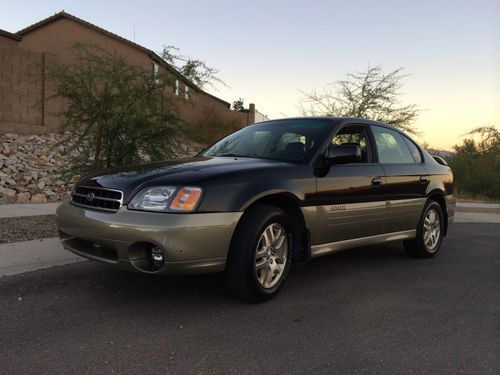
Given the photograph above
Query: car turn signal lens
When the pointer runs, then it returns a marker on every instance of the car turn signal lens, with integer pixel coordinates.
(186, 199)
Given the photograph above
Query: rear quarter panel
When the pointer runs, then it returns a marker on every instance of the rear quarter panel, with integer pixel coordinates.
(441, 182)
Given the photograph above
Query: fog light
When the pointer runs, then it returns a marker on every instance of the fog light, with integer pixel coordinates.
(157, 257)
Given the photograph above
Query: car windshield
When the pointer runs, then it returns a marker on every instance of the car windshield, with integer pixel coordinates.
(287, 140)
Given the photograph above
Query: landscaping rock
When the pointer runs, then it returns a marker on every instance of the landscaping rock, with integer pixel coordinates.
(28, 166)
(7, 195)
(38, 198)
(23, 198)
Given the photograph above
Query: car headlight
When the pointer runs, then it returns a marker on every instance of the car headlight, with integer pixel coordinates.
(166, 199)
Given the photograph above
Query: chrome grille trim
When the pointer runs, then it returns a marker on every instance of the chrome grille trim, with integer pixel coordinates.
(103, 199)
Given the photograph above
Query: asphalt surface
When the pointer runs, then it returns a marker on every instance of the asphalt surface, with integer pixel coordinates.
(367, 310)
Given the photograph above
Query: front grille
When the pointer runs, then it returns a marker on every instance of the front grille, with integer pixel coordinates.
(97, 198)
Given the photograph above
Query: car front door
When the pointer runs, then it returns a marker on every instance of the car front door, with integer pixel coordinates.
(350, 203)
(406, 178)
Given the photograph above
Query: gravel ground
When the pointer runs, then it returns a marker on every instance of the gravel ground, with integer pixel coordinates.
(27, 228)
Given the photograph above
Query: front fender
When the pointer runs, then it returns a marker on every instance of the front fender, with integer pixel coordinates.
(236, 193)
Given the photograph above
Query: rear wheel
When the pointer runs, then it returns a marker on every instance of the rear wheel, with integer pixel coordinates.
(429, 232)
(261, 253)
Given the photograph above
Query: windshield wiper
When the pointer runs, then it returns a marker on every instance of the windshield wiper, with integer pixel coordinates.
(232, 155)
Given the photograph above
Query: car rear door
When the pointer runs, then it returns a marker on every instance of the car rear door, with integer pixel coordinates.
(406, 179)
(350, 202)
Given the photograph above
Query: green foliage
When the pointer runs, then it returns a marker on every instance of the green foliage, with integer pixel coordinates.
(372, 94)
(197, 71)
(238, 105)
(116, 113)
(476, 164)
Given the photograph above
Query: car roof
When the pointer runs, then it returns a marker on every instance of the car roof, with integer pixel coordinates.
(336, 119)
(341, 120)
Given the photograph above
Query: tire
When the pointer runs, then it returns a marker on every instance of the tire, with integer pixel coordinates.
(257, 265)
(429, 232)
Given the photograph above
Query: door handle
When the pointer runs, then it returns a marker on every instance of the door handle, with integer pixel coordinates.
(424, 179)
(377, 181)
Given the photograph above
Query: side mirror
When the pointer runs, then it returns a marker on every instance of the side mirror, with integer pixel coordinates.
(342, 154)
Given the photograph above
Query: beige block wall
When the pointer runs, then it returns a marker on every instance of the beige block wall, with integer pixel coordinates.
(59, 36)
(21, 109)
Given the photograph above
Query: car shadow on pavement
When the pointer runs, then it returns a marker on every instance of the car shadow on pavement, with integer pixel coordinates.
(105, 287)
(110, 286)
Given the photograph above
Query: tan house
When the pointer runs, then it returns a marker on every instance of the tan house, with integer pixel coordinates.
(50, 40)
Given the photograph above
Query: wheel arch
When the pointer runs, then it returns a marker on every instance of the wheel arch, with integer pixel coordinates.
(289, 203)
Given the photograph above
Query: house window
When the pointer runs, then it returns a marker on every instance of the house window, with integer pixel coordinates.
(176, 89)
(154, 71)
(186, 92)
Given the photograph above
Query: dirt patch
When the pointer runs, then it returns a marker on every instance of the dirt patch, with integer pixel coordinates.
(27, 228)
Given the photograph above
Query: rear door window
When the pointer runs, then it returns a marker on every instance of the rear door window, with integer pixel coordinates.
(391, 146)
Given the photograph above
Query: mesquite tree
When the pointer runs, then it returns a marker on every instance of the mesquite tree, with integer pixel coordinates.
(116, 113)
(372, 94)
(196, 70)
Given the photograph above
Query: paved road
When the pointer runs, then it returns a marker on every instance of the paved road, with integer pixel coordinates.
(368, 310)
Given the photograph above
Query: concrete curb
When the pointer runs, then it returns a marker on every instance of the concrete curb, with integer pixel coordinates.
(478, 205)
(20, 257)
(474, 217)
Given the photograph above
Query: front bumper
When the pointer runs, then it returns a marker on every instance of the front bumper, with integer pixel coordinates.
(191, 243)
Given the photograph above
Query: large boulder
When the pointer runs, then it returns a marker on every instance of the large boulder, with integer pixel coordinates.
(23, 197)
(7, 195)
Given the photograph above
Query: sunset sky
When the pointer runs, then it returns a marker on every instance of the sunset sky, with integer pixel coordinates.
(267, 51)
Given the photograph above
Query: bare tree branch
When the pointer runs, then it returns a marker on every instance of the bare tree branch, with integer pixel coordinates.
(372, 94)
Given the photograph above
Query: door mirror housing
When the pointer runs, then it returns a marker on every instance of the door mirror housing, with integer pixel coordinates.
(342, 154)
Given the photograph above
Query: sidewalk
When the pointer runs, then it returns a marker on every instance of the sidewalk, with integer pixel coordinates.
(20, 257)
(35, 209)
(27, 209)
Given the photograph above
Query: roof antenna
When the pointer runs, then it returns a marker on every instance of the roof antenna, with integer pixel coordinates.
(133, 26)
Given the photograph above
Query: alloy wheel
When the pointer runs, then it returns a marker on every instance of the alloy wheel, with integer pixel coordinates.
(271, 255)
(432, 230)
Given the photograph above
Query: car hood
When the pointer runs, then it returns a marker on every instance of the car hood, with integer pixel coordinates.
(193, 171)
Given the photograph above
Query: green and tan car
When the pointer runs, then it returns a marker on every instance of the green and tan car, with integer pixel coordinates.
(266, 197)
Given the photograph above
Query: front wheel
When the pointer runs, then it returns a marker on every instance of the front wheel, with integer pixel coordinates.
(429, 232)
(261, 253)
